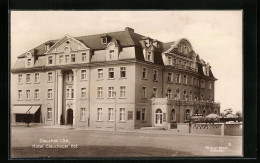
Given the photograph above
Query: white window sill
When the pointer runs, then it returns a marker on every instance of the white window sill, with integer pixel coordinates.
(49, 120)
(122, 78)
(111, 79)
(122, 98)
(100, 121)
(49, 81)
(155, 80)
(28, 82)
(49, 98)
(37, 83)
(144, 78)
(20, 100)
(110, 121)
(111, 97)
(83, 80)
(100, 79)
(28, 100)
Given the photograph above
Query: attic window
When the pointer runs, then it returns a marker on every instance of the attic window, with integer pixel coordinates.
(149, 56)
(104, 40)
(67, 42)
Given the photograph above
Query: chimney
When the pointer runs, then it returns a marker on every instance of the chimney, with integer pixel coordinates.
(129, 29)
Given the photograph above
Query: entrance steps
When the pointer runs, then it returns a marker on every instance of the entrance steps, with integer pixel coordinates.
(152, 128)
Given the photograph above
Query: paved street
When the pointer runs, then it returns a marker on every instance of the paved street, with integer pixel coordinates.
(123, 143)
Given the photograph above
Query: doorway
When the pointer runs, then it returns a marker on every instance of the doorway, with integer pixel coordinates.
(70, 116)
(158, 117)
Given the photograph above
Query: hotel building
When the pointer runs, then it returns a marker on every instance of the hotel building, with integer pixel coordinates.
(119, 79)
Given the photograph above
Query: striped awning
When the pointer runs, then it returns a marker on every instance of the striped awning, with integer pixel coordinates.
(25, 109)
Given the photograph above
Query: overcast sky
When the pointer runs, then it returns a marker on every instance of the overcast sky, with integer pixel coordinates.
(215, 35)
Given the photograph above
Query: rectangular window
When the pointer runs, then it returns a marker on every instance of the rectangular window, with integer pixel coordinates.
(20, 95)
(149, 56)
(138, 115)
(28, 78)
(29, 62)
(202, 84)
(130, 115)
(49, 93)
(50, 60)
(20, 78)
(169, 60)
(174, 61)
(122, 72)
(83, 75)
(155, 75)
(110, 114)
(169, 79)
(73, 59)
(111, 54)
(100, 73)
(122, 114)
(210, 85)
(144, 73)
(49, 76)
(111, 92)
(36, 94)
(100, 92)
(104, 40)
(191, 80)
(84, 57)
(37, 77)
(67, 93)
(169, 93)
(111, 73)
(195, 82)
(143, 114)
(99, 114)
(49, 113)
(154, 92)
(122, 91)
(72, 93)
(83, 92)
(185, 79)
(144, 92)
(178, 78)
(67, 58)
(83, 114)
(28, 94)
(61, 59)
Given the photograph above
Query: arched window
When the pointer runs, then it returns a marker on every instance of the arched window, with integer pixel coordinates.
(184, 94)
(169, 93)
(204, 112)
(196, 111)
(178, 93)
(190, 96)
(158, 116)
(172, 115)
(187, 115)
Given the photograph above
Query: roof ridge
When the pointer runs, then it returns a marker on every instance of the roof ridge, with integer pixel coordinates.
(100, 34)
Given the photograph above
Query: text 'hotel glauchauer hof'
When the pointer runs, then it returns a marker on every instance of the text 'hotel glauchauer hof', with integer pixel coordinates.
(120, 78)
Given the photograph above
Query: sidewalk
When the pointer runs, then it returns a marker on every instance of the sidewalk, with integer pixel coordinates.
(138, 131)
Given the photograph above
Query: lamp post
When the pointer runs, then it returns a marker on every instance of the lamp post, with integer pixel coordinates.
(114, 92)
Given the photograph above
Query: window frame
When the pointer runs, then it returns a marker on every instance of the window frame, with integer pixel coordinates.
(73, 58)
(28, 94)
(99, 114)
(111, 92)
(37, 94)
(20, 94)
(143, 114)
(83, 57)
(122, 114)
(100, 92)
(144, 92)
(122, 72)
(61, 58)
(37, 77)
(110, 114)
(100, 73)
(49, 93)
(28, 76)
(83, 93)
(83, 75)
(49, 114)
(50, 77)
(155, 75)
(122, 92)
(144, 73)
(82, 114)
(112, 72)
(50, 60)
(20, 78)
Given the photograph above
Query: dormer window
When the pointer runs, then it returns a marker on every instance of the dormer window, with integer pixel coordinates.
(111, 54)
(169, 60)
(50, 60)
(104, 40)
(185, 50)
(29, 62)
(149, 56)
(179, 48)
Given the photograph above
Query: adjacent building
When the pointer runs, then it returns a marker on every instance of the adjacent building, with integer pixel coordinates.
(119, 79)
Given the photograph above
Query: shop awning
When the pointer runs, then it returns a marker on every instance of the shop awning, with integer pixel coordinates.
(25, 109)
(33, 109)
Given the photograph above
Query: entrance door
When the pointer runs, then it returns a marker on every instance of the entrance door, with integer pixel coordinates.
(70, 116)
(158, 117)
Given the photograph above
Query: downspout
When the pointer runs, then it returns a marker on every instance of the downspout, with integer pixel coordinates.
(89, 77)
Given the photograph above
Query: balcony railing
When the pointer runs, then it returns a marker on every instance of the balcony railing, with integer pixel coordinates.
(179, 66)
